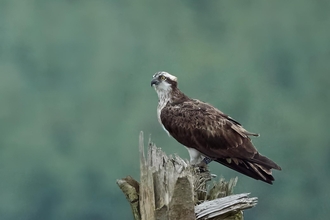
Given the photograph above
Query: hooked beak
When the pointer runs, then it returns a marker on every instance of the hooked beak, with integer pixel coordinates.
(155, 81)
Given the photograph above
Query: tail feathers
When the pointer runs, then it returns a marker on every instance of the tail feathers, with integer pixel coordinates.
(258, 171)
(264, 161)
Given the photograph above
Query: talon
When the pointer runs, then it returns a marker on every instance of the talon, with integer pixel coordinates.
(202, 166)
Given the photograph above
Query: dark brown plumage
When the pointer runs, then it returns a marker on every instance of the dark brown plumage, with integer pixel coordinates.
(200, 126)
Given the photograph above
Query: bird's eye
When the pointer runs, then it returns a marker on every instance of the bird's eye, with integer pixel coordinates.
(163, 78)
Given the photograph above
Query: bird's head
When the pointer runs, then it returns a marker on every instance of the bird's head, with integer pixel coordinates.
(163, 82)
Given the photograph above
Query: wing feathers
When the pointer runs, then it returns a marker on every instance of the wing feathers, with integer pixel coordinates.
(250, 169)
(201, 126)
(262, 160)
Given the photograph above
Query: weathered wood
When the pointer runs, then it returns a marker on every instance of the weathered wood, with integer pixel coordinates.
(172, 184)
(130, 188)
(182, 205)
(222, 206)
(147, 195)
(170, 188)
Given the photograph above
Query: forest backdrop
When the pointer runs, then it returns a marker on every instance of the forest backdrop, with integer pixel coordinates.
(75, 93)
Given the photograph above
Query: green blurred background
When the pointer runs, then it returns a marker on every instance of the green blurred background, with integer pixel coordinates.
(75, 93)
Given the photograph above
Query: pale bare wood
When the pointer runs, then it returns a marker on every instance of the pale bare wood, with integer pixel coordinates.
(221, 206)
(147, 195)
(173, 187)
(170, 188)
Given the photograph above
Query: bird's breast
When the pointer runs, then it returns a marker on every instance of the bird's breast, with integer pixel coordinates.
(160, 107)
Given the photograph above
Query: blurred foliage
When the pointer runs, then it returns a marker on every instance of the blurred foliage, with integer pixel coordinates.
(75, 92)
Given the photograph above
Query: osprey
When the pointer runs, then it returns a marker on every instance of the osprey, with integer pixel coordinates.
(208, 133)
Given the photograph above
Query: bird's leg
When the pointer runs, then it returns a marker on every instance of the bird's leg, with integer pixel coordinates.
(207, 160)
(203, 164)
(198, 160)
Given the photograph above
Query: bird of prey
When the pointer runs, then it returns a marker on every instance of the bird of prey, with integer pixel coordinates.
(208, 133)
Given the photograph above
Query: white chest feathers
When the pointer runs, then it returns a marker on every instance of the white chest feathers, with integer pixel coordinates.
(159, 111)
(163, 97)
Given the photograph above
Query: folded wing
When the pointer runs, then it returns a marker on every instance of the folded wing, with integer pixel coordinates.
(201, 126)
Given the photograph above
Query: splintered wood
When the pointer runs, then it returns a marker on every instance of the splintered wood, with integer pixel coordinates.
(170, 188)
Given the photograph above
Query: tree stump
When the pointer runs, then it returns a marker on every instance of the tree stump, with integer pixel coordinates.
(170, 189)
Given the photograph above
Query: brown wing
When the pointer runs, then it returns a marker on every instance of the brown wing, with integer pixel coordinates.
(201, 126)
